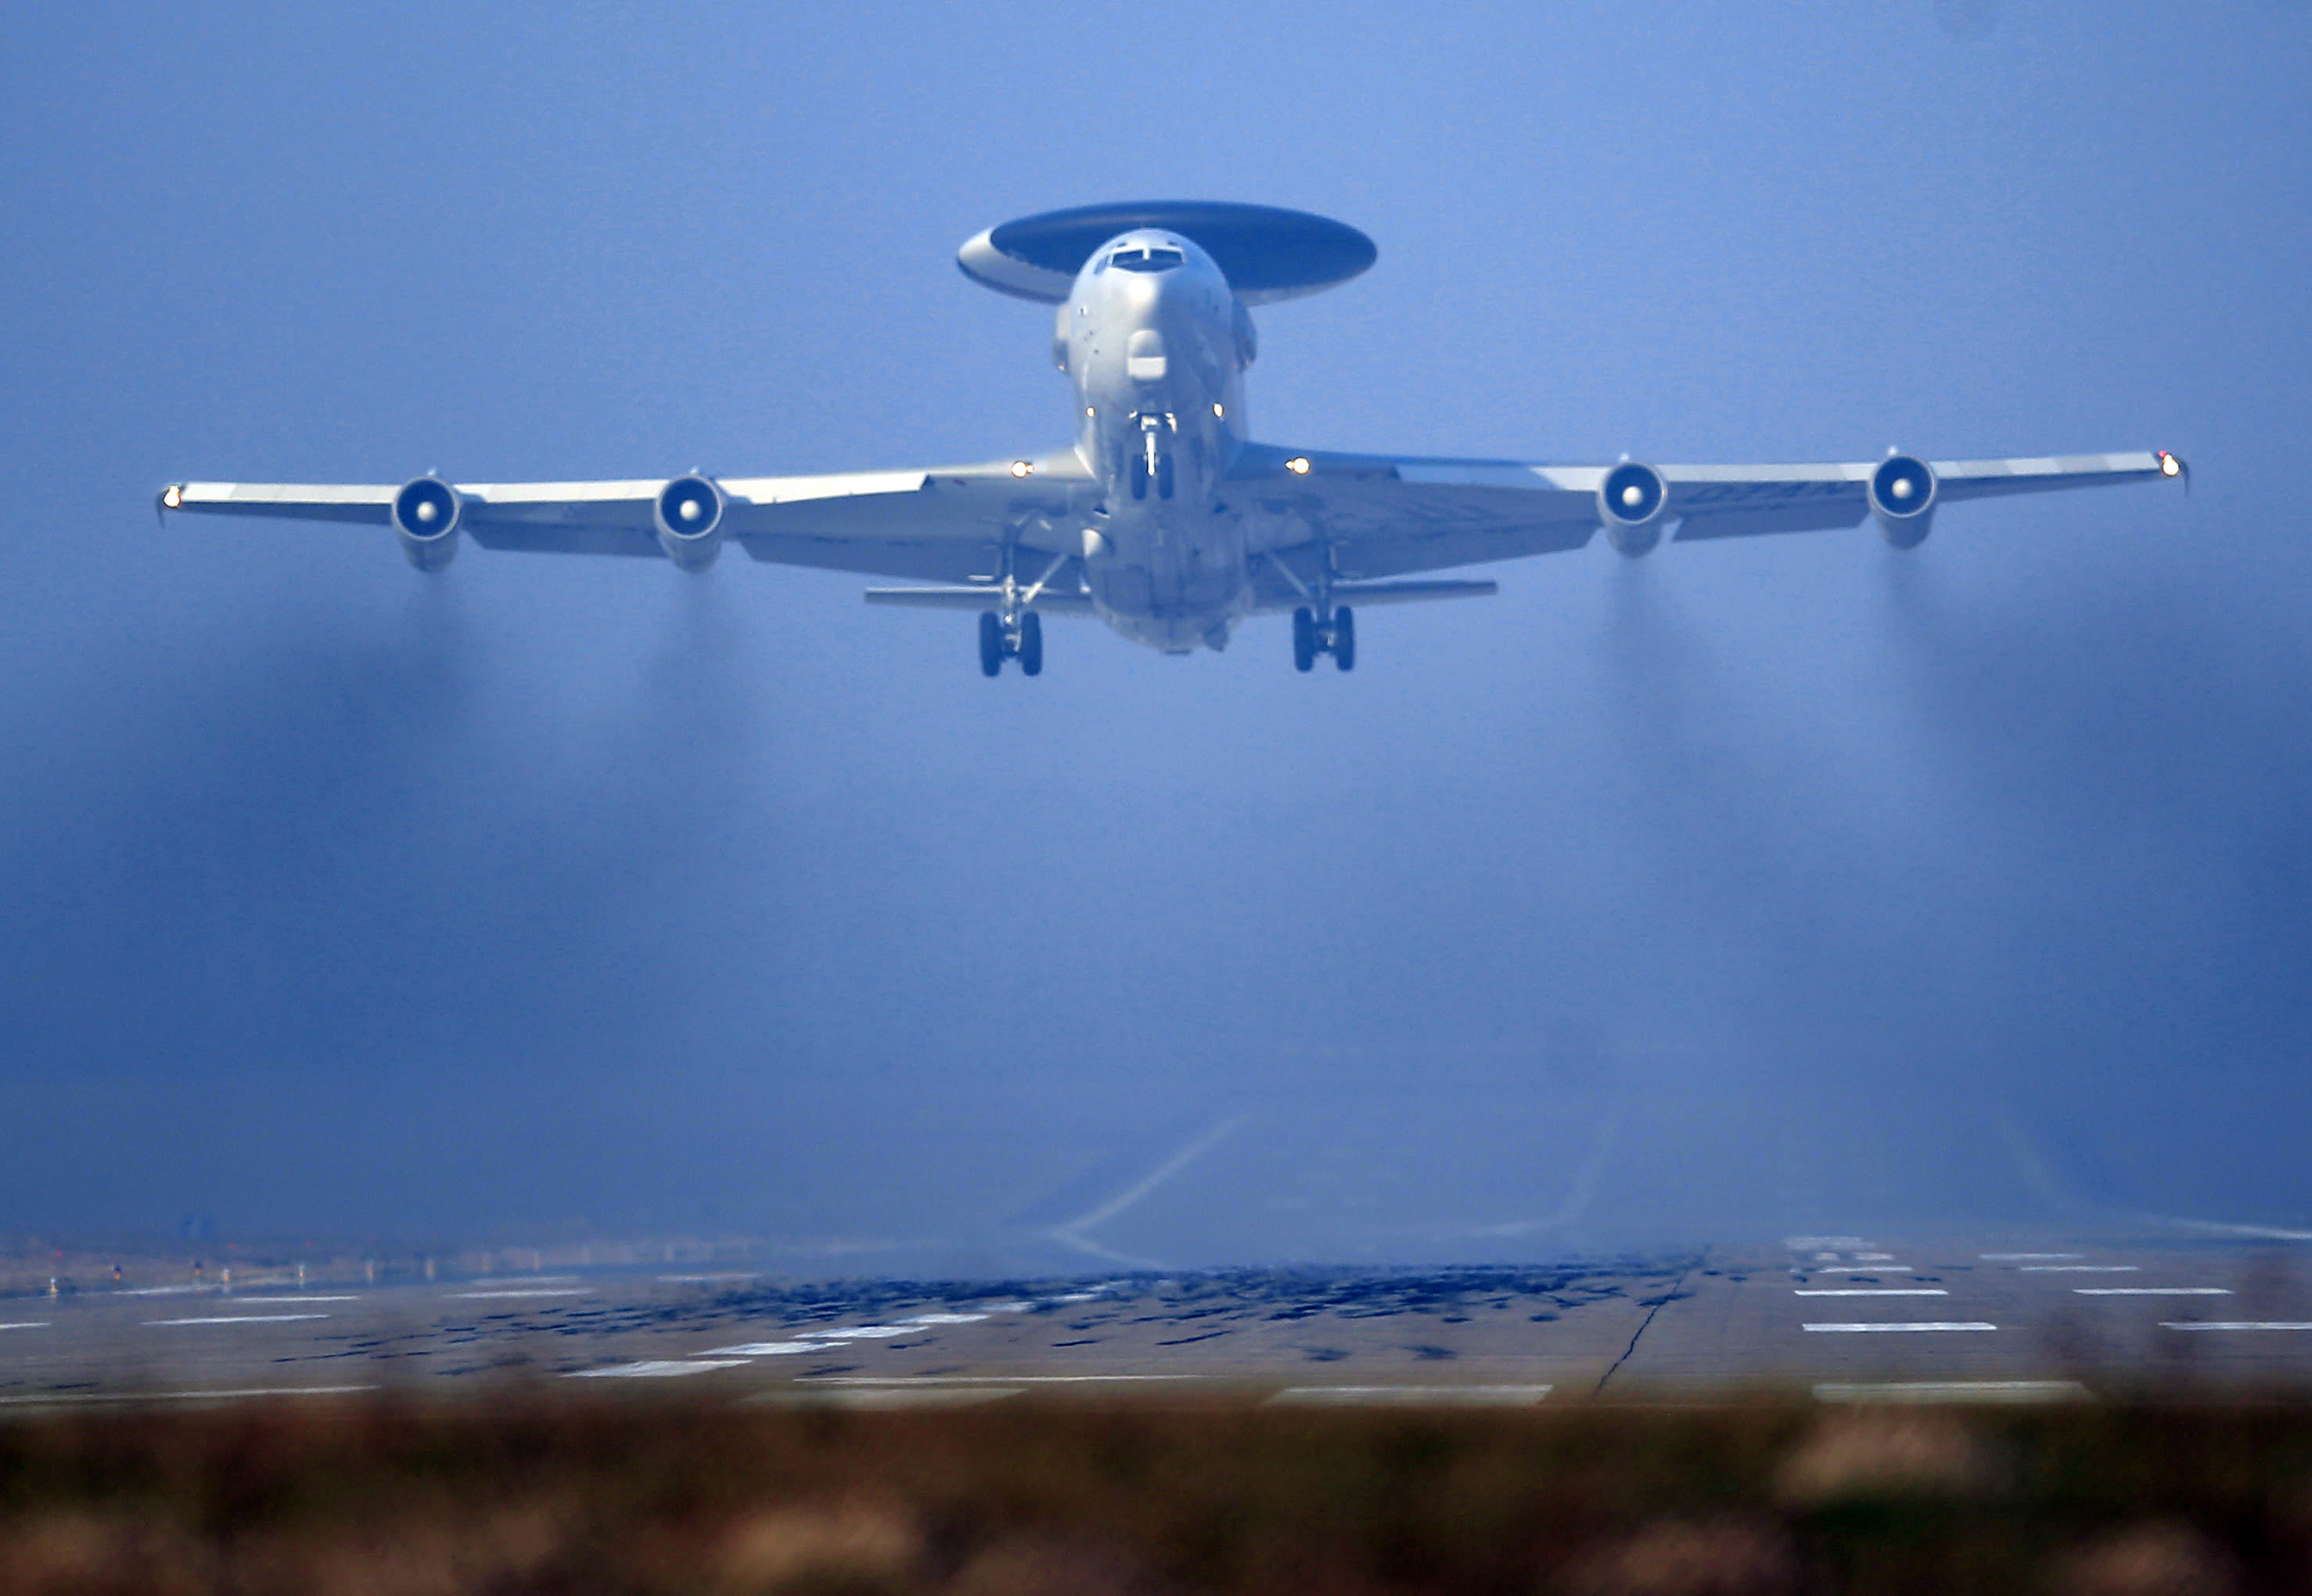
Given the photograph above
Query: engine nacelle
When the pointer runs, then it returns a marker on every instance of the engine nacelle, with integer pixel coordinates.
(1631, 501)
(425, 515)
(688, 512)
(1902, 494)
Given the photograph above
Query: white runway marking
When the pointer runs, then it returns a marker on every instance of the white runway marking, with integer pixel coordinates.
(1868, 1269)
(766, 1349)
(931, 1319)
(2237, 1324)
(1864, 1330)
(1409, 1396)
(495, 1296)
(658, 1369)
(2027, 1258)
(296, 1299)
(1872, 1258)
(952, 1395)
(1874, 1291)
(982, 1379)
(242, 1318)
(859, 1332)
(266, 1390)
(2079, 1268)
(2153, 1290)
(704, 1279)
(26, 1324)
(1958, 1391)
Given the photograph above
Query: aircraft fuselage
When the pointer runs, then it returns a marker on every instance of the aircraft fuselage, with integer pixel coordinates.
(1156, 343)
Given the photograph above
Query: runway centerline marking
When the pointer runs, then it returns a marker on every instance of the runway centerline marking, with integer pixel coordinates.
(2235, 1324)
(1864, 1330)
(299, 1299)
(2079, 1268)
(1872, 1291)
(26, 1324)
(499, 1296)
(2153, 1290)
(985, 1379)
(766, 1349)
(658, 1369)
(1957, 1390)
(1409, 1396)
(268, 1391)
(2027, 1258)
(240, 1319)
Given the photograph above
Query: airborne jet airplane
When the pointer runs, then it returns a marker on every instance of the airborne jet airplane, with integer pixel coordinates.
(1163, 518)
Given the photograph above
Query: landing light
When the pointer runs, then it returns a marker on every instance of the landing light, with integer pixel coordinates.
(1218, 412)
(175, 497)
(1020, 468)
(1298, 465)
(2169, 466)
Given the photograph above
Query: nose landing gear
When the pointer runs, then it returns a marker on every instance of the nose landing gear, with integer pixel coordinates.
(1310, 638)
(1022, 639)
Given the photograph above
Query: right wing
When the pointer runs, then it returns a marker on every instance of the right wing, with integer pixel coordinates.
(1369, 516)
(948, 524)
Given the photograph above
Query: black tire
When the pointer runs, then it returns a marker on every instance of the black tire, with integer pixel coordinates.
(1164, 476)
(1139, 478)
(1304, 640)
(991, 644)
(1031, 644)
(1344, 639)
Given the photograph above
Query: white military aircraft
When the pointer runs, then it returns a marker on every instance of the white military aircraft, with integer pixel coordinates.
(1163, 518)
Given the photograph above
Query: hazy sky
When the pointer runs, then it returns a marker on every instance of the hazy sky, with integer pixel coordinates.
(1793, 883)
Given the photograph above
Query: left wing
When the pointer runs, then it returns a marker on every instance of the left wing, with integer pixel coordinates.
(1361, 517)
(955, 524)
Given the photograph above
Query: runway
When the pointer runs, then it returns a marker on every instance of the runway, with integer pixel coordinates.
(1845, 1317)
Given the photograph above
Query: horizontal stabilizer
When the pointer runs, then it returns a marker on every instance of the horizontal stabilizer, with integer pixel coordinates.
(1361, 593)
(1050, 601)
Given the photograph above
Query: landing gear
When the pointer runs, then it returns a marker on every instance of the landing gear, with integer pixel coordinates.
(1164, 476)
(1022, 640)
(1309, 639)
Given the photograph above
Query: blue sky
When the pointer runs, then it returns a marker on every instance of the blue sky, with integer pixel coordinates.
(557, 893)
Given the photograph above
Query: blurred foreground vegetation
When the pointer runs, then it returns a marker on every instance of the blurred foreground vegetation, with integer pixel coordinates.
(524, 1494)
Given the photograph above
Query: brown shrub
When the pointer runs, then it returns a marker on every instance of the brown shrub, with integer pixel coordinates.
(433, 1555)
(1674, 1557)
(2149, 1560)
(69, 1552)
(1036, 1567)
(1878, 1452)
(820, 1551)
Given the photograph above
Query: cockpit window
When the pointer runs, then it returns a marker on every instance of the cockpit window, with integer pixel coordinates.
(1145, 258)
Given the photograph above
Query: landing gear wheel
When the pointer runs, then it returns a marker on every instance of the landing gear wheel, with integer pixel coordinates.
(1344, 639)
(1304, 640)
(1164, 476)
(991, 644)
(1139, 478)
(1031, 644)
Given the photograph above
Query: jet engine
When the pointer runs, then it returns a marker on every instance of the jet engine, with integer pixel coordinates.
(424, 516)
(688, 512)
(1902, 493)
(1631, 500)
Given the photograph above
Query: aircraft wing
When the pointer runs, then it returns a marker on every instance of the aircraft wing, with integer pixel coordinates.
(948, 523)
(1378, 516)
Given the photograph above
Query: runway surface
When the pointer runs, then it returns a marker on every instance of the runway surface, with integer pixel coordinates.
(1848, 1317)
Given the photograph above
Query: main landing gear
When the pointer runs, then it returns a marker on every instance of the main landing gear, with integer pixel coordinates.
(1339, 639)
(1022, 640)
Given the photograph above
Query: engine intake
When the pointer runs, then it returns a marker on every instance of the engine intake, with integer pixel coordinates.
(1902, 493)
(688, 512)
(426, 515)
(1631, 501)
